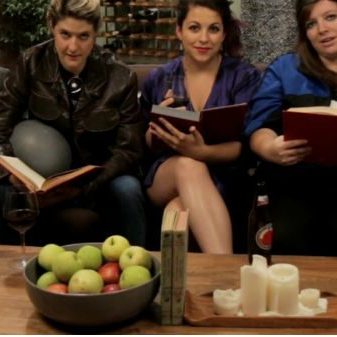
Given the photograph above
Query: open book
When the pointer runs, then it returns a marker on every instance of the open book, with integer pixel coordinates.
(35, 182)
(217, 125)
(318, 125)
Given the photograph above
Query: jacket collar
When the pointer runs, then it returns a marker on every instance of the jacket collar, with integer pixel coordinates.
(96, 75)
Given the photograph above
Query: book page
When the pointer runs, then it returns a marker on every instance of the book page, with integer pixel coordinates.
(175, 113)
(315, 109)
(18, 168)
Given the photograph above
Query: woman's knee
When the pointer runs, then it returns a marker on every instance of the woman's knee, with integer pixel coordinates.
(189, 169)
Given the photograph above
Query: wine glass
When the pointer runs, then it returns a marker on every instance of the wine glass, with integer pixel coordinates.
(20, 209)
(176, 83)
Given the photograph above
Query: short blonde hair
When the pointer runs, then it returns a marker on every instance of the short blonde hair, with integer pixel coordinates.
(88, 10)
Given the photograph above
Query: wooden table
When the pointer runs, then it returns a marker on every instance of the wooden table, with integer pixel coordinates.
(205, 273)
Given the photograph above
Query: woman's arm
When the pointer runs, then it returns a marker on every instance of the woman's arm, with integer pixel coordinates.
(221, 153)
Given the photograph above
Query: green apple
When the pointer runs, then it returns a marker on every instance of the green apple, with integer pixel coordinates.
(46, 279)
(86, 281)
(113, 247)
(135, 256)
(91, 257)
(66, 264)
(47, 254)
(134, 276)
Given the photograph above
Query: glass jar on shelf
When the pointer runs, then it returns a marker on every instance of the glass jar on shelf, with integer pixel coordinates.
(121, 9)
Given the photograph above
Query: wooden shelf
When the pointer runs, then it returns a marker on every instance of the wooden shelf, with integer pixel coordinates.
(148, 38)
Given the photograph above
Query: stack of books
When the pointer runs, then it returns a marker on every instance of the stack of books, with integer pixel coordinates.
(174, 242)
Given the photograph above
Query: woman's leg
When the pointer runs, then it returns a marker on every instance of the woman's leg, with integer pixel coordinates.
(190, 180)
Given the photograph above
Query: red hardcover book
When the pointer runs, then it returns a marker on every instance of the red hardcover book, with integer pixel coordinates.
(217, 125)
(319, 126)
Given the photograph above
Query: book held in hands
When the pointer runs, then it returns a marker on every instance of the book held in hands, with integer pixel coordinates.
(219, 124)
(318, 125)
(35, 182)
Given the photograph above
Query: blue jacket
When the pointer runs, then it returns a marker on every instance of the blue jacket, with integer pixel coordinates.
(283, 86)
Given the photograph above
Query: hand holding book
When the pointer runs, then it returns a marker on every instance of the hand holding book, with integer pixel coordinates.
(187, 144)
(318, 125)
(217, 125)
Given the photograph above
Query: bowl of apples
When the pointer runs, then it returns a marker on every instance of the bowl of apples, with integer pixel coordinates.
(92, 284)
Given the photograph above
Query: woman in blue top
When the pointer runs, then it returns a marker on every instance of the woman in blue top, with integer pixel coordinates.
(303, 196)
(209, 74)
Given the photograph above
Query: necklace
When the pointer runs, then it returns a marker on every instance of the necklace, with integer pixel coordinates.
(74, 85)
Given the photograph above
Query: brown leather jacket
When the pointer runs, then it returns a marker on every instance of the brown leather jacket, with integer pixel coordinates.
(108, 124)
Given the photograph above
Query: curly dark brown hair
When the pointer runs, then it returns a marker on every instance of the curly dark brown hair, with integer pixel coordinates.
(232, 45)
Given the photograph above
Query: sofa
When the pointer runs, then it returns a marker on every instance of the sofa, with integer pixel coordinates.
(239, 205)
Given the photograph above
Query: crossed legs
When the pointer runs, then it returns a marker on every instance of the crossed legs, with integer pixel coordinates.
(185, 183)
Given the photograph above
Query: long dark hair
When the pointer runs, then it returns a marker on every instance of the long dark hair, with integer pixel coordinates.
(310, 61)
(232, 45)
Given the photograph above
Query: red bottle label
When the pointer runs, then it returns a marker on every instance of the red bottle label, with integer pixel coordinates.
(262, 200)
(264, 237)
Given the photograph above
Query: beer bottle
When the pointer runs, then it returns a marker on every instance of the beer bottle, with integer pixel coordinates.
(260, 228)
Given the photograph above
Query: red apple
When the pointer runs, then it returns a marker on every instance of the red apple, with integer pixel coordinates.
(110, 272)
(110, 288)
(60, 288)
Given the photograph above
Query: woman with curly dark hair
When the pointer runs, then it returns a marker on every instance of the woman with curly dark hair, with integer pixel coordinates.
(193, 174)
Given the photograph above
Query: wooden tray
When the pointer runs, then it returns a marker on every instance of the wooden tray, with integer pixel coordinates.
(199, 312)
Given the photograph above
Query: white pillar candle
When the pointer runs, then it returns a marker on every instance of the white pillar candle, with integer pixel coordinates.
(283, 288)
(309, 297)
(254, 282)
(259, 261)
(226, 302)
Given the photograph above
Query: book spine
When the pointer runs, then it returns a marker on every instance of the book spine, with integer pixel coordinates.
(166, 276)
(179, 266)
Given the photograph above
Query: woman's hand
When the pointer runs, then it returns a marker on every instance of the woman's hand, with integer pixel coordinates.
(168, 100)
(190, 145)
(288, 152)
(272, 147)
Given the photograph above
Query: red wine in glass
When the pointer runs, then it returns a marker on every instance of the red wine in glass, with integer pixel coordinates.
(20, 209)
(21, 219)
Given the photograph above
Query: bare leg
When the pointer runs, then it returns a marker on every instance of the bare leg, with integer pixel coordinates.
(185, 183)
